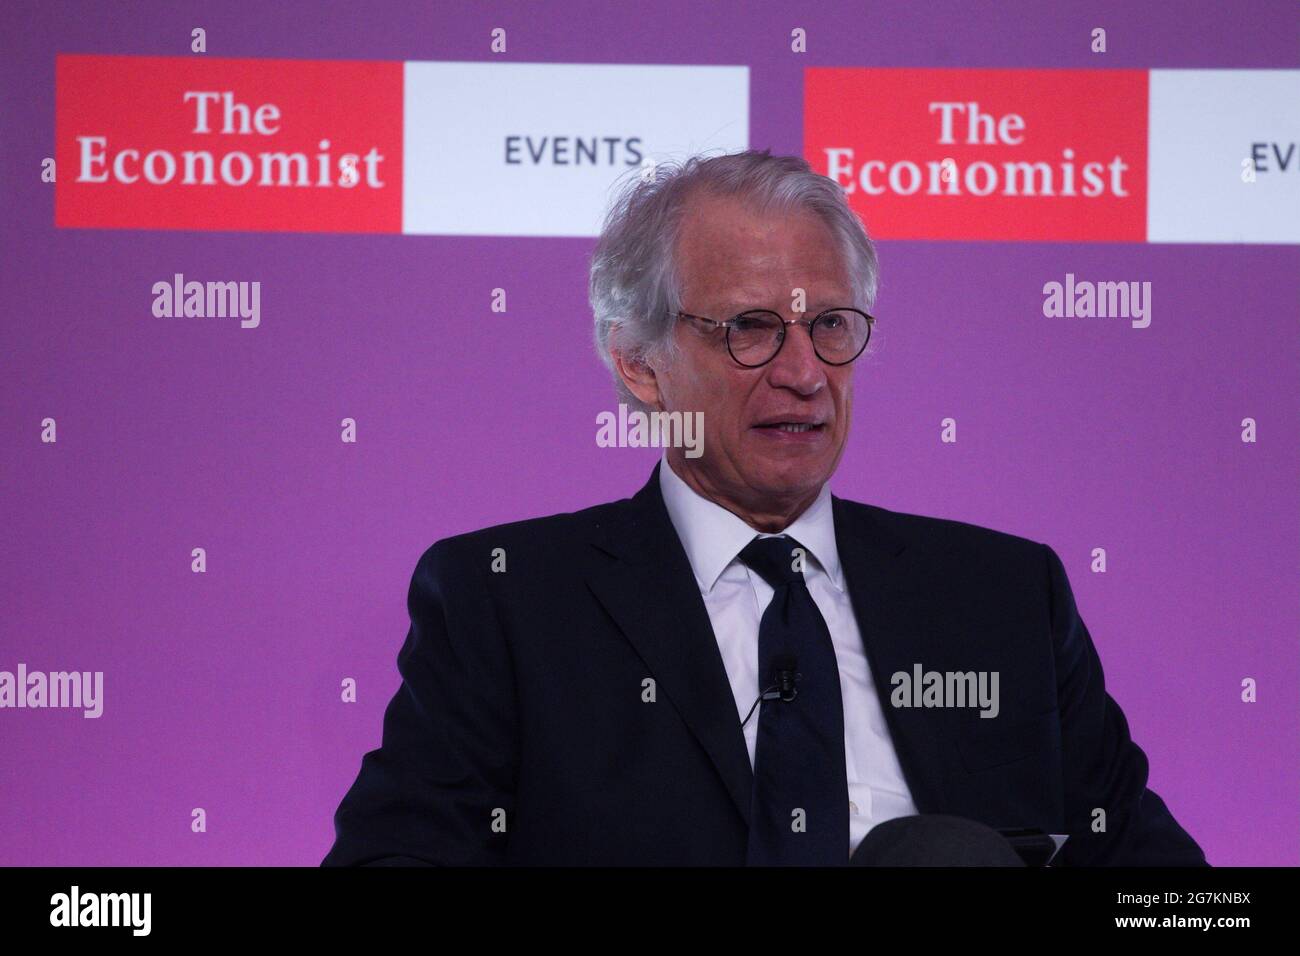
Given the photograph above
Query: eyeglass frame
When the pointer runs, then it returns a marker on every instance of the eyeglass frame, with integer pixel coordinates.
(729, 324)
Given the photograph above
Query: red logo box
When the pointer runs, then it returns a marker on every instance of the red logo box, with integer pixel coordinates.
(984, 154)
(238, 144)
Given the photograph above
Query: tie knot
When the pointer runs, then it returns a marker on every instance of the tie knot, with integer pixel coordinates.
(778, 561)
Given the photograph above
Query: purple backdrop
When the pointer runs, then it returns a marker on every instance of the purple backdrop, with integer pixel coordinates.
(222, 689)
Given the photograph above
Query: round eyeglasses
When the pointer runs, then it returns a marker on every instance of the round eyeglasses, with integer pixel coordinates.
(755, 337)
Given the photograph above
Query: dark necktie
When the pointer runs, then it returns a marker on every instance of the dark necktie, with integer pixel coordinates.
(800, 812)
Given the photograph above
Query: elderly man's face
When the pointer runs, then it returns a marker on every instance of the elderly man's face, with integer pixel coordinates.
(731, 260)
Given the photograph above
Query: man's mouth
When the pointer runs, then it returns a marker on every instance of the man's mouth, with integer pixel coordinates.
(792, 427)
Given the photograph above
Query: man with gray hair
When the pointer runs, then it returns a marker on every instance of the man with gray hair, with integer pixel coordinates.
(734, 666)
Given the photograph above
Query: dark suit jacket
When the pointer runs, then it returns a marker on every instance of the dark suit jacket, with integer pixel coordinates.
(520, 733)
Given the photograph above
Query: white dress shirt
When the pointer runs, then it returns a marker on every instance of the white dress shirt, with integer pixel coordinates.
(735, 598)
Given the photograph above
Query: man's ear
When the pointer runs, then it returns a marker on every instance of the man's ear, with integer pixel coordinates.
(639, 378)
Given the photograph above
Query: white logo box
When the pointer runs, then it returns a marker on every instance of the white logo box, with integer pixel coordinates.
(1202, 125)
(457, 118)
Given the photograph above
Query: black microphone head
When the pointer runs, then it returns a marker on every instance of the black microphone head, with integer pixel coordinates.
(785, 676)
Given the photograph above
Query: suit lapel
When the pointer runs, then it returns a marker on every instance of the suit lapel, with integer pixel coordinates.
(875, 565)
(651, 593)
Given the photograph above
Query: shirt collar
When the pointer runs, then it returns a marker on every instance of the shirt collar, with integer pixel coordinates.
(713, 536)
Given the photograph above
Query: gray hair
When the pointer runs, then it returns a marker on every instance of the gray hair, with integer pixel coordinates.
(635, 287)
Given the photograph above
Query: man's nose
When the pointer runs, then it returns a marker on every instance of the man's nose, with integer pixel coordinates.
(797, 366)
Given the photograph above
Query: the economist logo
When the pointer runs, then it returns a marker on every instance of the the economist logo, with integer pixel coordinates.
(237, 144)
(984, 154)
